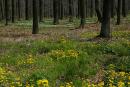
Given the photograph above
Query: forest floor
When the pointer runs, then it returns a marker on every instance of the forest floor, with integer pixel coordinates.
(63, 53)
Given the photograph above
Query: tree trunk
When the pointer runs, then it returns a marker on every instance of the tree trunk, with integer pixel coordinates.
(119, 12)
(124, 5)
(92, 8)
(82, 13)
(6, 12)
(13, 12)
(26, 10)
(40, 10)
(19, 9)
(113, 9)
(98, 11)
(55, 11)
(35, 17)
(105, 27)
(71, 11)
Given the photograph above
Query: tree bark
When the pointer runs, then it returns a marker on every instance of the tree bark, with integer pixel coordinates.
(98, 11)
(26, 10)
(40, 10)
(13, 12)
(71, 11)
(55, 11)
(82, 13)
(35, 17)
(124, 5)
(113, 9)
(6, 12)
(119, 12)
(105, 26)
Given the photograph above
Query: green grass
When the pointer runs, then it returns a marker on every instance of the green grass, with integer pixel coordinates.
(92, 56)
(72, 60)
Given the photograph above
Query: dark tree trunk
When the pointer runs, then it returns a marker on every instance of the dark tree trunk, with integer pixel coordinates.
(6, 12)
(79, 8)
(92, 8)
(105, 27)
(35, 17)
(40, 10)
(19, 9)
(124, 5)
(71, 10)
(13, 11)
(55, 11)
(98, 11)
(83, 13)
(26, 10)
(119, 12)
(62, 12)
(113, 9)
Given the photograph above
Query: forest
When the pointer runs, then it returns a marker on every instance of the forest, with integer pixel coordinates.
(64, 43)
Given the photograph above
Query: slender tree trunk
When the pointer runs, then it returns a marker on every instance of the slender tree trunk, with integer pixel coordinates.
(105, 27)
(92, 8)
(55, 11)
(1, 10)
(6, 12)
(19, 9)
(113, 9)
(119, 12)
(62, 10)
(98, 11)
(71, 11)
(26, 10)
(40, 10)
(13, 12)
(124, 8)
(83, 13)
(79, 8)
(35, 17)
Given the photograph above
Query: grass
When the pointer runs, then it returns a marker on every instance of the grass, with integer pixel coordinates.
(62, 58)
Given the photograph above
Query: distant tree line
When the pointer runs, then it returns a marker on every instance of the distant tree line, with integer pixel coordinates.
(15, 10)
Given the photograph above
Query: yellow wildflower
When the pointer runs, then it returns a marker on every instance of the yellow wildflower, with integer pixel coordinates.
(43, 83)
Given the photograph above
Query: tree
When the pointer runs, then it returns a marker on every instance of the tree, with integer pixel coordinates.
(19, 9)
(35, 17)
(55, 11)
(124, 5)
(113, 9)
(82, 13)
(1, 10)
(6, 11)
(26, 10)
(71, 10)
(119, 12)
(98, 11)
(13, 11)
(105, 26)
(40, 10)
(92, 8)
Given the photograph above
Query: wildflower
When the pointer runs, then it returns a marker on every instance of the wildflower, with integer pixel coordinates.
(72, 53)
(121, 84)
(43, 83)
(101, 84)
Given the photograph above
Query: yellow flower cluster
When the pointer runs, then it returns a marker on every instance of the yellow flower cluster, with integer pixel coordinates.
(72, 53)
(57, 54)
(2, 75)
(63, 39)
(117, 79)
(68, 84)
(42, 83)
(28, 60)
